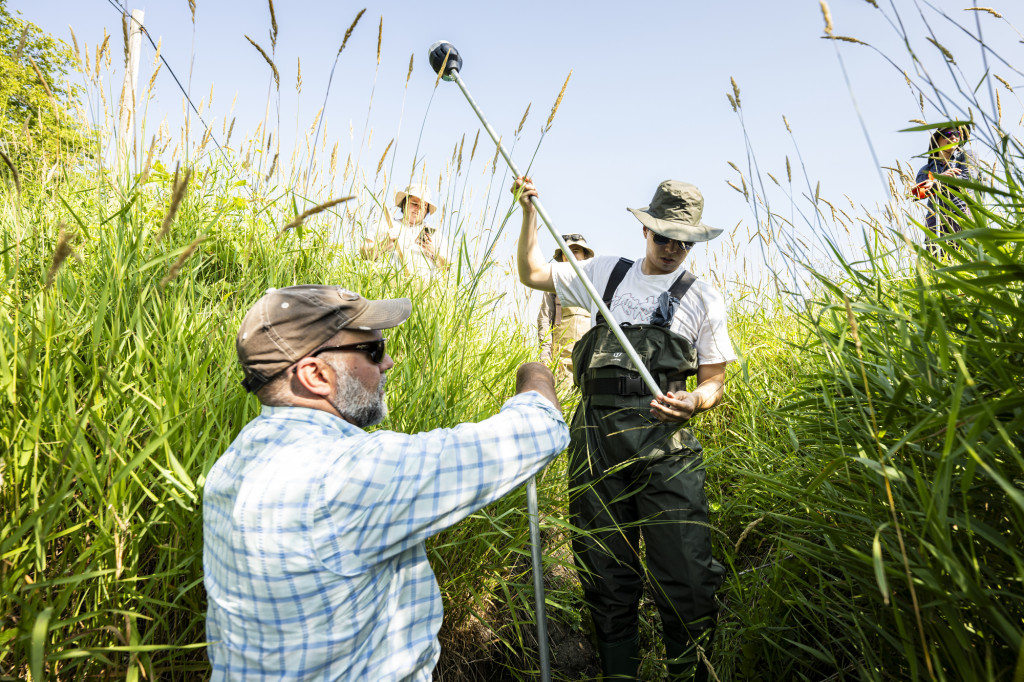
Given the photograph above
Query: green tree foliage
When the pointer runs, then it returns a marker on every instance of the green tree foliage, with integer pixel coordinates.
(38, 118)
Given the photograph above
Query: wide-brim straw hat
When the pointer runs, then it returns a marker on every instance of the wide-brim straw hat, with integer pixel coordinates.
(569, 243)
(421, 192)
(675, 212)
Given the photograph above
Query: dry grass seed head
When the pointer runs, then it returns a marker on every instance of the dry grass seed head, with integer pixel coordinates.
(351, 28)
(177, 194)
(828, 17)
(22, 41)
(409, 74)
(991, 11)
(192, 8)
(494, 161)
(74, 42)
(1003, 81)
(558, 100)
(152, 79)
(104, 46)
(383, 156)
(273, 67)
(176, 268)
(60, 254)
(124, 34)
(444, 63)
(39, 75)
(313, 211)
(845, 39)
(945, 53)
(273, 25)
(298, 76)
(273, 167)
(380, 36)
(522, 122)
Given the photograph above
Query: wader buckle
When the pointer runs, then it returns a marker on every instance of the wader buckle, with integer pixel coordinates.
(632, 386)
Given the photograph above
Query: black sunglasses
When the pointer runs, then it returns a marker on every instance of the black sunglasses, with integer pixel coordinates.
(574, 237)
(375, 349)
(662, 240)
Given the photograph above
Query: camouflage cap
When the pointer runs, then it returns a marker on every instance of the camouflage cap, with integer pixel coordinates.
(288, 324)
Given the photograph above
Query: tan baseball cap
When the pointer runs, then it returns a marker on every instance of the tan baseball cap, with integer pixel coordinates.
(288, 324)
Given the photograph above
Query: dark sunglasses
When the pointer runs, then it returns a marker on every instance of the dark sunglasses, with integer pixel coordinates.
(574, 237)
(375, 349)
(950, 133)
(662, 240)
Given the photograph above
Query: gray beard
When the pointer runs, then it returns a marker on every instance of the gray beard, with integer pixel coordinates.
(355, 403)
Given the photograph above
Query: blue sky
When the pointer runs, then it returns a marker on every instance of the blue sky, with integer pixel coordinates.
(646, 102)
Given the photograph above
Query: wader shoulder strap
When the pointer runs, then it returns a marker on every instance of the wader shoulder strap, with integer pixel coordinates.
(682, 285)
(557, 317)
(615, 279)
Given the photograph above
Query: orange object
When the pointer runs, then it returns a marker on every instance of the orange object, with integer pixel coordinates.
(920, 190)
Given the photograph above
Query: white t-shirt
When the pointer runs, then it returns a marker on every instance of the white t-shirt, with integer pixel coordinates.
(699, 317)
(413, 257)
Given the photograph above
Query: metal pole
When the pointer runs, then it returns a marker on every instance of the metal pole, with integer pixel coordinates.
(591, 291)
(538, 579)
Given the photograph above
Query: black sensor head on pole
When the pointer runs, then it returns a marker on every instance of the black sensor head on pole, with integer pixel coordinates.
(438, 52)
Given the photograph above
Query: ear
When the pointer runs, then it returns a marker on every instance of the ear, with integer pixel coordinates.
(314, 375)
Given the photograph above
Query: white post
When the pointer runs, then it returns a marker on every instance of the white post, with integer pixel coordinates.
(125, 128)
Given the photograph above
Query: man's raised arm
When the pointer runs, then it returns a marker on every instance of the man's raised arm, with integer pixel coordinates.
(534, 270)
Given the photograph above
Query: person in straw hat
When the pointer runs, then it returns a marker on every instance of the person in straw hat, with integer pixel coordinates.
(411, 240)
(636, 469)
(560, 327)
(314, 559)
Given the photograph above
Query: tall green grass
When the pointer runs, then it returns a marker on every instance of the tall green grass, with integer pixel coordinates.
(865, 470)
(886, 504)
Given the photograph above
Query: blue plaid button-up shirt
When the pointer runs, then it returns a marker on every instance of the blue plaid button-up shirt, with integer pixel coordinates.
(313, 537)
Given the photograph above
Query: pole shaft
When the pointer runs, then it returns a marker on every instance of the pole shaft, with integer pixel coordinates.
(538, 579)
(588, 285)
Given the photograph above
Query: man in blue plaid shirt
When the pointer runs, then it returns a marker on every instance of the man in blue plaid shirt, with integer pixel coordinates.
(314, 529)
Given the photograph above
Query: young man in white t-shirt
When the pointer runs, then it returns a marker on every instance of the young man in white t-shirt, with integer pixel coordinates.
(634, 468)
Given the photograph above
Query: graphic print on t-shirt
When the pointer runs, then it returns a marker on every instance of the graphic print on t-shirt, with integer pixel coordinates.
(633, 309)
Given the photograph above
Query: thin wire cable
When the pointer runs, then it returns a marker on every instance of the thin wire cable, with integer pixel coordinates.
(206, 128)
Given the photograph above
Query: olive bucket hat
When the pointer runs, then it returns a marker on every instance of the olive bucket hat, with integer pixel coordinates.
(675, 212)
(288, 324)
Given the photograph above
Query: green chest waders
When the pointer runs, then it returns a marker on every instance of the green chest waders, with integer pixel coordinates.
(631, 475)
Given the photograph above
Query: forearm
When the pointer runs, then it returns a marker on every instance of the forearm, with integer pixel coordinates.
(707, 395)
(534, 376)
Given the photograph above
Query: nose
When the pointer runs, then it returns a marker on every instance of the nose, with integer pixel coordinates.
(386, 364)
